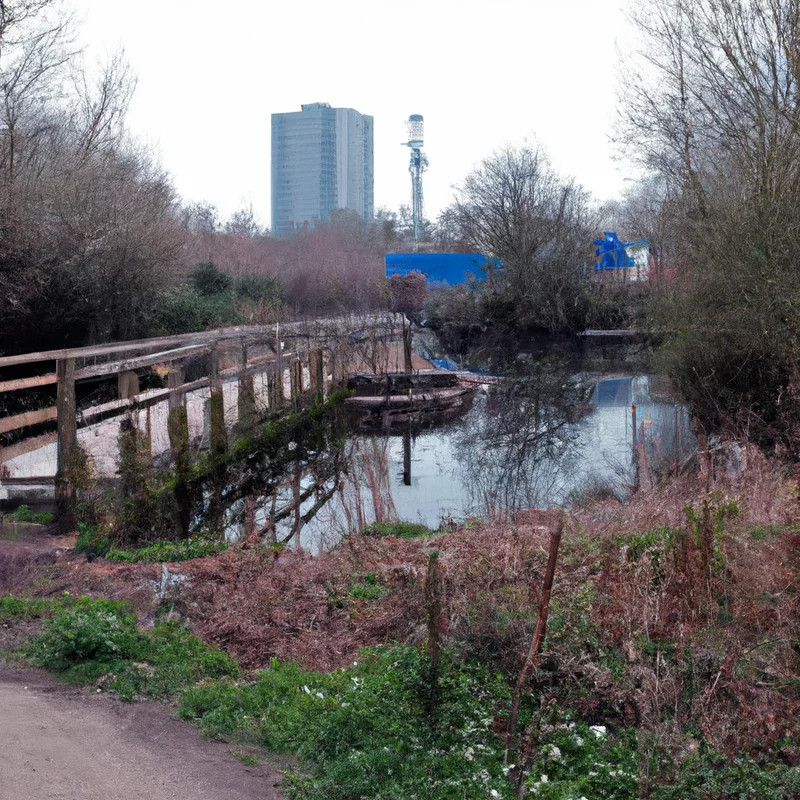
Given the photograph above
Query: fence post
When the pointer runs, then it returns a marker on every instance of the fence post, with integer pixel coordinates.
(246, 397)
(67, 441)
(174, 381)
(275, 389)
(317, 373)
(178, 431)
(296, 381)
(218, 435)
(127, 385)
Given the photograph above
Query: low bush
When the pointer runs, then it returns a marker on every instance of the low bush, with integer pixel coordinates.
(402, 530)
(98, 631)
(88, 640)
(576, 760)
(710, 775)
(24, 514)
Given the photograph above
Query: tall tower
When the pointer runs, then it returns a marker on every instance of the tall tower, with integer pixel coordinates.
(322, 159)
(417, 165)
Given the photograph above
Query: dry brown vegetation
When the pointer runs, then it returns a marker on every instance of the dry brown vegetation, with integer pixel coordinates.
(656, 621)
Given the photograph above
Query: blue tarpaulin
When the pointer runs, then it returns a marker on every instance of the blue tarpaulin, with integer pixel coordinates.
(444, 363)
(611, 253)
(441, 268)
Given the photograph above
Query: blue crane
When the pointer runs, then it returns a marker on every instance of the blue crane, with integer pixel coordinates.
(611, 253)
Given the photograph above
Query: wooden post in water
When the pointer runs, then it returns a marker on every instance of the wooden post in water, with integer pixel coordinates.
(407, 456)
(246, 397)
(218, 435)
(409, 364)
(67, 441)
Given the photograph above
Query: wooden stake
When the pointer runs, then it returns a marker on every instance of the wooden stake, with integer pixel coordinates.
(67, 441)
(541, 628)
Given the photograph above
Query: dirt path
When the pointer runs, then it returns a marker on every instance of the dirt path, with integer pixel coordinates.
(62, 743)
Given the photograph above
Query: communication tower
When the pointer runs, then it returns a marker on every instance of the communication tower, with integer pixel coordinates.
(417, 165)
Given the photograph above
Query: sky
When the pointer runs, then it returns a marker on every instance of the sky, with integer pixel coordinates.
(483, 74)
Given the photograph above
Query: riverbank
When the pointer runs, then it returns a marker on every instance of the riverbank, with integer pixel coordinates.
(674, 617)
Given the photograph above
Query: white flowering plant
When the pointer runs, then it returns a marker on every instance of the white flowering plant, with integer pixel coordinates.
(371, 731)
(576, 761)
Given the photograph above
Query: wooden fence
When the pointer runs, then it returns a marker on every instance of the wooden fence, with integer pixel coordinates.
(172, 352)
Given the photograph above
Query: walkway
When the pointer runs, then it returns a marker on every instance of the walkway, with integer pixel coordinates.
(62, 743)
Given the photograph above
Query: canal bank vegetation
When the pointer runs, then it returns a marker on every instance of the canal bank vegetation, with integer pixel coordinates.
(185, 506)
(712, 115)
(668, 669)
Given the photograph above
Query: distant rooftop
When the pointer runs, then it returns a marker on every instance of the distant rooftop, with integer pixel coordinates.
(314, 106)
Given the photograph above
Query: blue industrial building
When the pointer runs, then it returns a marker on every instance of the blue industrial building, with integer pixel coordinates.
(442, 268)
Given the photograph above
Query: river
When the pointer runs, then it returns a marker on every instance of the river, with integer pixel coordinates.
(550, 432)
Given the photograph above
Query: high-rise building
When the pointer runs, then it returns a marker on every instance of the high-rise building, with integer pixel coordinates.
(322, 159)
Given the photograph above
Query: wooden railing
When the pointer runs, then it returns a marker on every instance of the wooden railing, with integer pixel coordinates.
(173, 352)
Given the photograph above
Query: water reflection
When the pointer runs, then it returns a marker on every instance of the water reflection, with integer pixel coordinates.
(522, 446)
(532, 441)
(542, 436)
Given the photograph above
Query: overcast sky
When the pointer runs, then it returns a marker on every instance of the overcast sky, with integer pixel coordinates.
(483, 74)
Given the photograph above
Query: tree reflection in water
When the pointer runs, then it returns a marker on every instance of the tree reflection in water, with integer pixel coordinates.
(522, 451)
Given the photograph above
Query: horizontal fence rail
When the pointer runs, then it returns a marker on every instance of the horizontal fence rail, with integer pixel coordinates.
(313, 362)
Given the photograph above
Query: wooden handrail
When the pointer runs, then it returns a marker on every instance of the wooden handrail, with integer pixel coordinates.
(138, 344)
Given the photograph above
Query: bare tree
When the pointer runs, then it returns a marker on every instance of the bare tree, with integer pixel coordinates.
(712, 107)
(516, 207)
(89, 223)
(715, 88)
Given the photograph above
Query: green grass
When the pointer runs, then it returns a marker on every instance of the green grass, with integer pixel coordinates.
(182, 550)
(85, 640)
(367, 589)
(24, 514)
(16, 608)
(401, 530)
